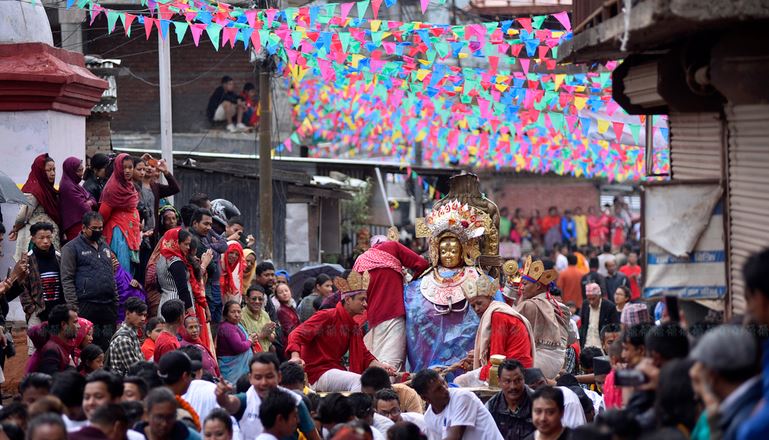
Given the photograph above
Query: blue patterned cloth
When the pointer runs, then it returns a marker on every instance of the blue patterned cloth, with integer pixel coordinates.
(434, 339)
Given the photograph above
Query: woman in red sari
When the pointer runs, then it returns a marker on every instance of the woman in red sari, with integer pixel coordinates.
(122, 226)
(233, 266)
(168, 252)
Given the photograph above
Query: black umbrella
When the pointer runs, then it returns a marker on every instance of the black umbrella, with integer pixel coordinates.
(9, 192)
(297, 279)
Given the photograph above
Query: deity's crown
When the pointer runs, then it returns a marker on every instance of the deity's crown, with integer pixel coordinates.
(462, 220)
(534, 271)
(355, 282)
(483, 286)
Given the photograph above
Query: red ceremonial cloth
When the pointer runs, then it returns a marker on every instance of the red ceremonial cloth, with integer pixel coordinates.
(322, 340)
(385, 289)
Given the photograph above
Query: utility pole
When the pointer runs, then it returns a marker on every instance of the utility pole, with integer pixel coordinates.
(265, 163)
(164, 85)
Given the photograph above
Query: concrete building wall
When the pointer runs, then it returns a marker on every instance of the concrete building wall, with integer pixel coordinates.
(195, 73)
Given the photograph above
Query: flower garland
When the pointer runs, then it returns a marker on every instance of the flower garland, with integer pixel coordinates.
(183, 404)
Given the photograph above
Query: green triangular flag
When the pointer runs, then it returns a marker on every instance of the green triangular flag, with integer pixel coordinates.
(214, 32)
(181, 28)
(537, 20)
(635, 130)
(362, 6)
(112, 17)
(376, 37)
(296, 38)
(557, 120)
(344, 38)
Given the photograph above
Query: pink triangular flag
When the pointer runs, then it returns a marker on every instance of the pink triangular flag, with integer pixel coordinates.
(251, 16)
(256, 41)
(95, 11)
(346, 9)
(197, 29)
(270, 16)
(524, 65)
(563, 18)
(424, 4)
(230, 34)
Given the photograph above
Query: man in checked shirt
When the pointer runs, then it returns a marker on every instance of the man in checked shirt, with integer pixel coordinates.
(124, 348)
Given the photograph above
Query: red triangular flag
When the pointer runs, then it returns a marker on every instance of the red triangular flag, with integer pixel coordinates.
(525, 22)
(375, 4)
(619, 127)
(148, 23)
(128, 19)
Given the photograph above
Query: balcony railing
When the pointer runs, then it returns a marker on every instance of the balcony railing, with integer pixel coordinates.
(515, 7)
(589, 13)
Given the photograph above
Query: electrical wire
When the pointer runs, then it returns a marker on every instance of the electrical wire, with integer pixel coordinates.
(185, 82)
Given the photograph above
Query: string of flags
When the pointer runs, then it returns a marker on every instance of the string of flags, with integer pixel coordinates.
(369, 87)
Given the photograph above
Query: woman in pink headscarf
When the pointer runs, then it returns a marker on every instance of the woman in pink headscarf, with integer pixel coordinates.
(122, 225)
(74, 200)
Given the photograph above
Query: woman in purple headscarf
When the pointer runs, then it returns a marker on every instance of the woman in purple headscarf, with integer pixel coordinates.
(74, 200)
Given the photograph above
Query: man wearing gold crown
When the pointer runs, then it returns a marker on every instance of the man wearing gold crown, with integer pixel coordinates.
(320, 342)
(385, 261)
(502, 331)
(547, 318)
(440, 328)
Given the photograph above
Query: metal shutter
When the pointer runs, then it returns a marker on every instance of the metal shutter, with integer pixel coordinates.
(695, 146)
(749, 190)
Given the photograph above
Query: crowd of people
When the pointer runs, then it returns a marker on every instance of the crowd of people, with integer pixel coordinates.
(145, 321)
(613, 225)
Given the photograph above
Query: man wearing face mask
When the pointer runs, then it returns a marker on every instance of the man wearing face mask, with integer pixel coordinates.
(88, 279)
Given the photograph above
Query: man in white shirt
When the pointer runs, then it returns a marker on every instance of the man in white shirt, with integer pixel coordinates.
(455, 413)
(387, 404)
(278, 414)
(603, 258)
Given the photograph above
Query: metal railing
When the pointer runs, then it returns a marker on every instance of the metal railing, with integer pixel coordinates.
(523, 6)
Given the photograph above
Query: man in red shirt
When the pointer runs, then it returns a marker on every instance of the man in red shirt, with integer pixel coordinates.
(320, 342)
(384, 261)
(173, 313)
(502, 331)
(633, 273)
(570, 282)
